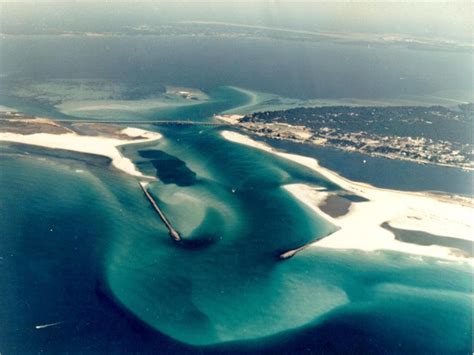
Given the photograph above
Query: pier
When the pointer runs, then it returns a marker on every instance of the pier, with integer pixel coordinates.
(173, 233)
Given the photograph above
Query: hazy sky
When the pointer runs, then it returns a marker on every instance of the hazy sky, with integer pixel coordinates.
(429, 18)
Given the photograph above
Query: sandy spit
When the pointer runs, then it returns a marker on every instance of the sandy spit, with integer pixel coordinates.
(97, 145)
(360, 228)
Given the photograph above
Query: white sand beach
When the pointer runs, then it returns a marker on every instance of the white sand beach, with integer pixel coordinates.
(97, 145)
(361, 229)
(232, 119)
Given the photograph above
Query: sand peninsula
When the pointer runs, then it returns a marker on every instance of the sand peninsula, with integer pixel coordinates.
(46, 133)
(381, 216)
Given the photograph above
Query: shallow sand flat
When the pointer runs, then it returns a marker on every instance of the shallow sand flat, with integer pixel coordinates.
(361, 227)
(84, 108)
(87, 144)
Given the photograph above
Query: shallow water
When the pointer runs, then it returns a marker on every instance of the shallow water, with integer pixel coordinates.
(235, 220)
(82, 246)
(87, 250)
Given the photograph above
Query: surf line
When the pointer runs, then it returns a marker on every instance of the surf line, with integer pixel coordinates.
(172, 232)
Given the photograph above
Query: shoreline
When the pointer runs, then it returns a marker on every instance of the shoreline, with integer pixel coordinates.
(347, 150)
(97, 145)
(444, 181)
(361, 227)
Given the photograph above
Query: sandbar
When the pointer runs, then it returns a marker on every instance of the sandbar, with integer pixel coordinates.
(103, 146)
(361, 227)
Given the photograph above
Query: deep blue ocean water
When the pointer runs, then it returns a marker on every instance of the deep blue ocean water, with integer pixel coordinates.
(291, 69)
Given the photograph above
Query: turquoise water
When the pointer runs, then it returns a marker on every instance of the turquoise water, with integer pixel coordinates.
(161, 107)
(88, 243)
(224, 217)
(62, 105)
(82, 246)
